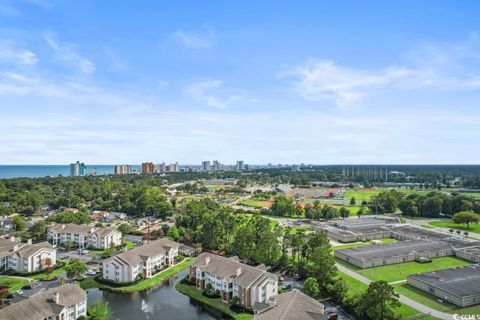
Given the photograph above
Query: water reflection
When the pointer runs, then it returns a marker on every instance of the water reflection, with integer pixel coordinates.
(163, 302)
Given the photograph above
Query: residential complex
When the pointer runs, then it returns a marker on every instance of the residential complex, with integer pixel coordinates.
(84, 236)
(234, 279)
(148, 167)
(66, 302)
(123, 169)
(143, 261)
(26, 257)
(77, 169)
(292, 305)
(460, 286)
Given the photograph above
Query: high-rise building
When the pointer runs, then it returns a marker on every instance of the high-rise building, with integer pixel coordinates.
(206, 166)
(216, 166)
(161, 168)
(148, 167)
(77, 169)
(173, 167)
(123, 169)
(239, 165)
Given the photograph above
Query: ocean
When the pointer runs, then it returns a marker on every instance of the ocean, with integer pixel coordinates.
(39, 171)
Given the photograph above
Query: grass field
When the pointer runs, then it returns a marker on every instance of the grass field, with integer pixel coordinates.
(356, 287)
(256, 203)
(397, 272)
(361, 194)
(13, 284)
(451, 225)
(362, 244)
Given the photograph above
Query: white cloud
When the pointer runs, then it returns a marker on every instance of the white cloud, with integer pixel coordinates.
(11, 52)
(67, 53)
(451, 67)
(214, 94)
(326, 80)
(194, 40)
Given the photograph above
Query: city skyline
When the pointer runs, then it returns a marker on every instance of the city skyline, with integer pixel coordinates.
(322, 83)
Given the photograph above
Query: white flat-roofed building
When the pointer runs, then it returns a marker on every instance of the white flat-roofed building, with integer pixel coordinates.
(84, 236)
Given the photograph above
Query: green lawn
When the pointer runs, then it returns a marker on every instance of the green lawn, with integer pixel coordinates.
(361, 194)
(13, 284)
(362, 244)
(451, 225)
(397, 272)
(216, 303)
(43, 276)
(256, 203)
(147, 283)
(432, 301)
(356, 287)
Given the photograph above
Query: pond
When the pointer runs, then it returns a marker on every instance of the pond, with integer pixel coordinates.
(163, 302)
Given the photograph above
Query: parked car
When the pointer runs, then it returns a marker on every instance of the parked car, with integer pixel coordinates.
(331, 312)
(91, 272)
(27, 287)
(80, 251)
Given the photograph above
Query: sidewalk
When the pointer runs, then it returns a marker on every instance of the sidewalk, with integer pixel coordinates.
(409, 302)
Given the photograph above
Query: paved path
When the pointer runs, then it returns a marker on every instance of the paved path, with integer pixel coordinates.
(24, 278)
(412, 303)
(420, 222)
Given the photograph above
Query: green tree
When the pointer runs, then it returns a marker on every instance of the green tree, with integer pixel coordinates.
(125, 228)
(173, 233)
(311, 288)
(344, 212)
(465, 217)
(378, 302)
(19, 223)
(75, 269)
(39, 230)
(353, 201)
(99, 311)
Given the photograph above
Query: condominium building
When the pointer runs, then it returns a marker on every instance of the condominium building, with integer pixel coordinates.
(26, 257)
(206, 166)
(77, 169)
(84, 236)
(143, 261)
(66, 302)
(234, 279)
(161, 168)
(173, 167)
(148, 167)
(123, 169)
(239, 165)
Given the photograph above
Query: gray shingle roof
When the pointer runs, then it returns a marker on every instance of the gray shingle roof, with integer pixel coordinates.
(42, 305)
(395, 249)
(460, 281)
(227, 268)
(143, 252)
(293, 305)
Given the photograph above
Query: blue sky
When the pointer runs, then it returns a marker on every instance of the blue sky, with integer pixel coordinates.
(393, 82)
